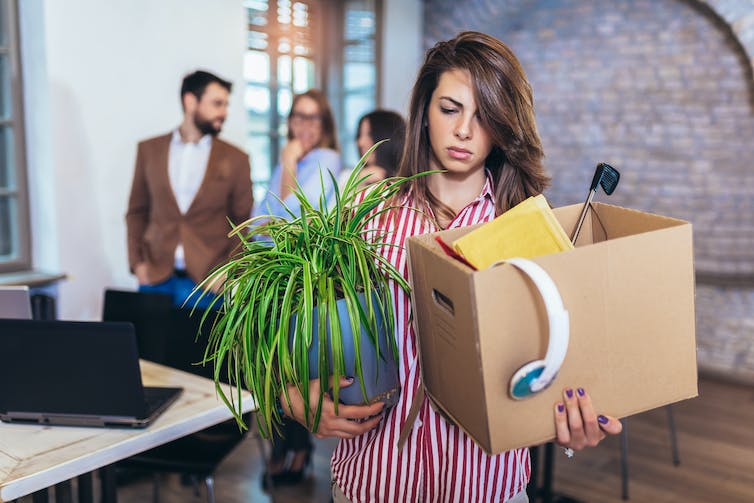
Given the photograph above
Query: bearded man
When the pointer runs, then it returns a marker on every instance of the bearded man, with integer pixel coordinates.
(187, 184)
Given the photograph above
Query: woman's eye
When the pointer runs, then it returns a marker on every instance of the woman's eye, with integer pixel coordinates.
(447, 110)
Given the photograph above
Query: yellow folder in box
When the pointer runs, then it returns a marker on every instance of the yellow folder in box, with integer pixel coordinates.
(527, 230)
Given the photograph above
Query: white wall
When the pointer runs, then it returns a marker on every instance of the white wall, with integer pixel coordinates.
(99, 76)
(401, 52)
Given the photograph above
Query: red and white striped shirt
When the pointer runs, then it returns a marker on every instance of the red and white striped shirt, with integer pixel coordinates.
(438, 462)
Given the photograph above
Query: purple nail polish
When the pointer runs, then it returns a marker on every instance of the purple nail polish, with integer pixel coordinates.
(602, 419)
(561, 407)
(349, 378)
(580, 391)
(569, 393)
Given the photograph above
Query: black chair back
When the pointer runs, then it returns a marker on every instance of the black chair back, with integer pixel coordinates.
(165, 334)
(176, 338)
(150, 314)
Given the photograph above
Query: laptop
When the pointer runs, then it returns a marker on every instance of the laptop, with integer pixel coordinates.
(15, 302)
(75, 374)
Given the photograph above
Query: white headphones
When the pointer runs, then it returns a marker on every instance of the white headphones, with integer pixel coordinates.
(539, 374)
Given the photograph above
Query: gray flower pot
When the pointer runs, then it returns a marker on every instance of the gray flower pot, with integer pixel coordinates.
(380, 372)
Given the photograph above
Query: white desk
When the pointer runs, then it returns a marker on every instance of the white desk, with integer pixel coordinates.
(35, 457)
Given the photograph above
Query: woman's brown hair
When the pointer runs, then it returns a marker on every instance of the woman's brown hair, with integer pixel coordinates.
(329, 134)
(385, 125)
(506, 110)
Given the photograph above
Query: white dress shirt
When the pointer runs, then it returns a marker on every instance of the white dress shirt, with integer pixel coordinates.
(187, 163)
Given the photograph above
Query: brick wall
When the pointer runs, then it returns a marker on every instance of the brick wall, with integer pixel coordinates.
(662, 90)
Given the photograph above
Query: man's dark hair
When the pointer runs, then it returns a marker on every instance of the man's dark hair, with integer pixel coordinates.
(195, 83)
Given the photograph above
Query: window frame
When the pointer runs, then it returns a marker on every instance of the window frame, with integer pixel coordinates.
(337, 92)
(21, 261)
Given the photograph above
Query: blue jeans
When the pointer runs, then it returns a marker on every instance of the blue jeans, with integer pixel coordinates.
(180, 289)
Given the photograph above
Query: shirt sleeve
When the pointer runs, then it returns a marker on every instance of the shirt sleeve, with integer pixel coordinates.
(319, 177)
(314, 178)
(270, 205)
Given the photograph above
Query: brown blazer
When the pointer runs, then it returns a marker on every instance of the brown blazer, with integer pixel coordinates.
(156, 226)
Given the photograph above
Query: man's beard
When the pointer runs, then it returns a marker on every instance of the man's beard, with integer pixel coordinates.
(206, 127)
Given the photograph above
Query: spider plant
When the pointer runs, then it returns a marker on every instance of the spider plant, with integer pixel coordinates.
(280, 295)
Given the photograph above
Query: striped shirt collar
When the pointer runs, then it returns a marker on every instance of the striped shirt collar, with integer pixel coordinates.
(487, 191)
(486, 194)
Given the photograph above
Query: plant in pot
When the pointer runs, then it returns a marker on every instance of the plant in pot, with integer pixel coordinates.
(309, 296)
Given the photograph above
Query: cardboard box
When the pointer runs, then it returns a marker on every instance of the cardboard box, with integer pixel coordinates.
(629, 289)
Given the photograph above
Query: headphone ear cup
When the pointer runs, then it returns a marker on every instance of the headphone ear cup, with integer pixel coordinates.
(520, 386)
(539, 374)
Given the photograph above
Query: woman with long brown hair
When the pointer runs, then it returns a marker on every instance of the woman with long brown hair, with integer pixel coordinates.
(471, 116)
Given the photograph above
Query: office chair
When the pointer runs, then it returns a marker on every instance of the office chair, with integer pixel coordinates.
(168, 335)
(624, 449)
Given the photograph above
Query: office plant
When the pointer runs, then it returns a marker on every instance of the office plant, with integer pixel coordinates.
(309, 296)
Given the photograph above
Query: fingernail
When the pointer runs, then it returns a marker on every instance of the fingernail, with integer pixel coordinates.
(602, 419)
(349, 378)
(569, 393)
(580, 391)
(561, 407)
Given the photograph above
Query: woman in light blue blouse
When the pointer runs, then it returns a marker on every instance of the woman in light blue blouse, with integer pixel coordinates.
(311, 150)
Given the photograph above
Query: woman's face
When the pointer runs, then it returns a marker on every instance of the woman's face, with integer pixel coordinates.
(305, 122)
(364, 140)
(458, 141)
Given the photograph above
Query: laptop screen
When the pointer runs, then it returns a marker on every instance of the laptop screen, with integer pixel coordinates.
(67, 367)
